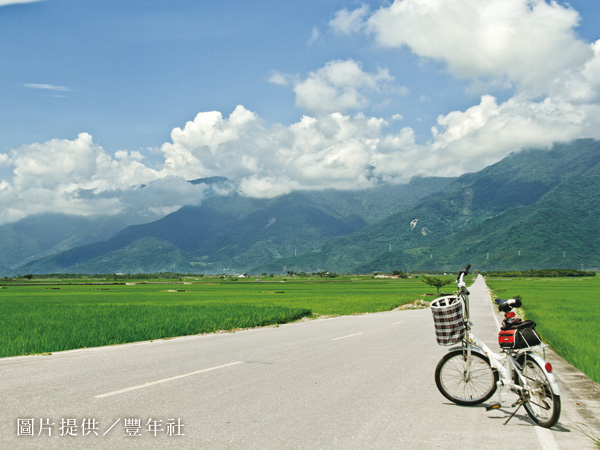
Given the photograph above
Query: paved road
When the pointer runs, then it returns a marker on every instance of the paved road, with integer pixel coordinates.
(354, 382)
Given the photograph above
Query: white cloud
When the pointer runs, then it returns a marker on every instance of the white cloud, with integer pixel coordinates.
(485, 133)
(267, 187)
(79, 162)
(347, 22)
(580, 84)
(339, 86)
(279, 79)
(52, 176)
(314, 36)
(15, 2)
(48, 87)
(524, 41)
(211, 145)
(4, 160)
(159, 197)
(330, 151)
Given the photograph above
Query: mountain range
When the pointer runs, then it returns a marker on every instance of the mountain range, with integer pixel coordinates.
(225, 234)
(536, 208)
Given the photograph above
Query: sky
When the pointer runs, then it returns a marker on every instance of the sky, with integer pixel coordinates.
(109, 106)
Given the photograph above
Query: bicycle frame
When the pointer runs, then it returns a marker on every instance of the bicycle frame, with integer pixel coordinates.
(505, 362)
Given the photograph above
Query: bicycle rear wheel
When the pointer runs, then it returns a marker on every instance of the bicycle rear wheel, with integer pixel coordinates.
(451, 378)
(542, 405)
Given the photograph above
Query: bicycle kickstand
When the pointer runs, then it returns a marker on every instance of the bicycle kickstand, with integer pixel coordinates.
(519, 402)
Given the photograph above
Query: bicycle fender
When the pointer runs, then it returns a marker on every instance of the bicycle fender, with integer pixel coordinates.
(551, 378)
(473, 350)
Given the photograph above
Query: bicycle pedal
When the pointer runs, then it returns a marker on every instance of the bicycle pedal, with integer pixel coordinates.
(492, 406)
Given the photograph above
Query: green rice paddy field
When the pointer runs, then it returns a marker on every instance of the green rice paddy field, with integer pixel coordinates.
(37, 318)
(567, 314)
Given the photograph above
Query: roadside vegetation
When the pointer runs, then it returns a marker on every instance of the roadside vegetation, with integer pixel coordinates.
(567, 313)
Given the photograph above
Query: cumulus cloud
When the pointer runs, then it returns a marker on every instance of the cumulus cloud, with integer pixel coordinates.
(4, 159)
(51, 176)
(79, 162)
(339, 86)
(484, 133)
(279, 79)
(328, 151)
(347, 22)
(525, 41)
(211, 145)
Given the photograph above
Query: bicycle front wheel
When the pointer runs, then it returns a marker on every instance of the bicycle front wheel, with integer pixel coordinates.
(463, 380)
(542, 405)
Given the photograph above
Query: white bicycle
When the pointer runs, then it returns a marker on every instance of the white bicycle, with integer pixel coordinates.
(470, 373)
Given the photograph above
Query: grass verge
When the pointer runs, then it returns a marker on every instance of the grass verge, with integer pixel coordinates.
(567, 314)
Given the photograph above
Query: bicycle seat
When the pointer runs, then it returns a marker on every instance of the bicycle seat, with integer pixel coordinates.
(508, 305)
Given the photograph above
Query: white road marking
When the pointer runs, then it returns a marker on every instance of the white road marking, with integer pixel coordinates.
(546, 439)
(165, 380)
(396, 323)
(345, 337)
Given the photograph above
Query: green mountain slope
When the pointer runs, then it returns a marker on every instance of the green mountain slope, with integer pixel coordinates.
(541, 203)
(40, 235)
(232, 233)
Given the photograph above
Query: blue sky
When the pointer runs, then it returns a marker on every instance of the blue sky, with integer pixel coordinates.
(135, 69)
(99, 97)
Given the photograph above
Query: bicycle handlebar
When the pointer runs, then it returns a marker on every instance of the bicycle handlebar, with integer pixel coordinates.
(460, 279)
(463, 272)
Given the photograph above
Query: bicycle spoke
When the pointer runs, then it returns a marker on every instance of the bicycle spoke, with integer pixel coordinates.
(465, 381)
(541, 403)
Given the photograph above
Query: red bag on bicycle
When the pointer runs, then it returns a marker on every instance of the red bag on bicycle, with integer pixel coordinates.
(519, 335)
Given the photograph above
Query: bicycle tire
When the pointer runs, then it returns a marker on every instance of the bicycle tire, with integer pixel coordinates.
(542, 405)
(451, 382)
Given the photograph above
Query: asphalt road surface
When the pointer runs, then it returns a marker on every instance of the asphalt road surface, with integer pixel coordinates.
(353, 382)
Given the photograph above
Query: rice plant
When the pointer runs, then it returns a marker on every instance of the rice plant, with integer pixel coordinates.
(39, 318)
(567, 313)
